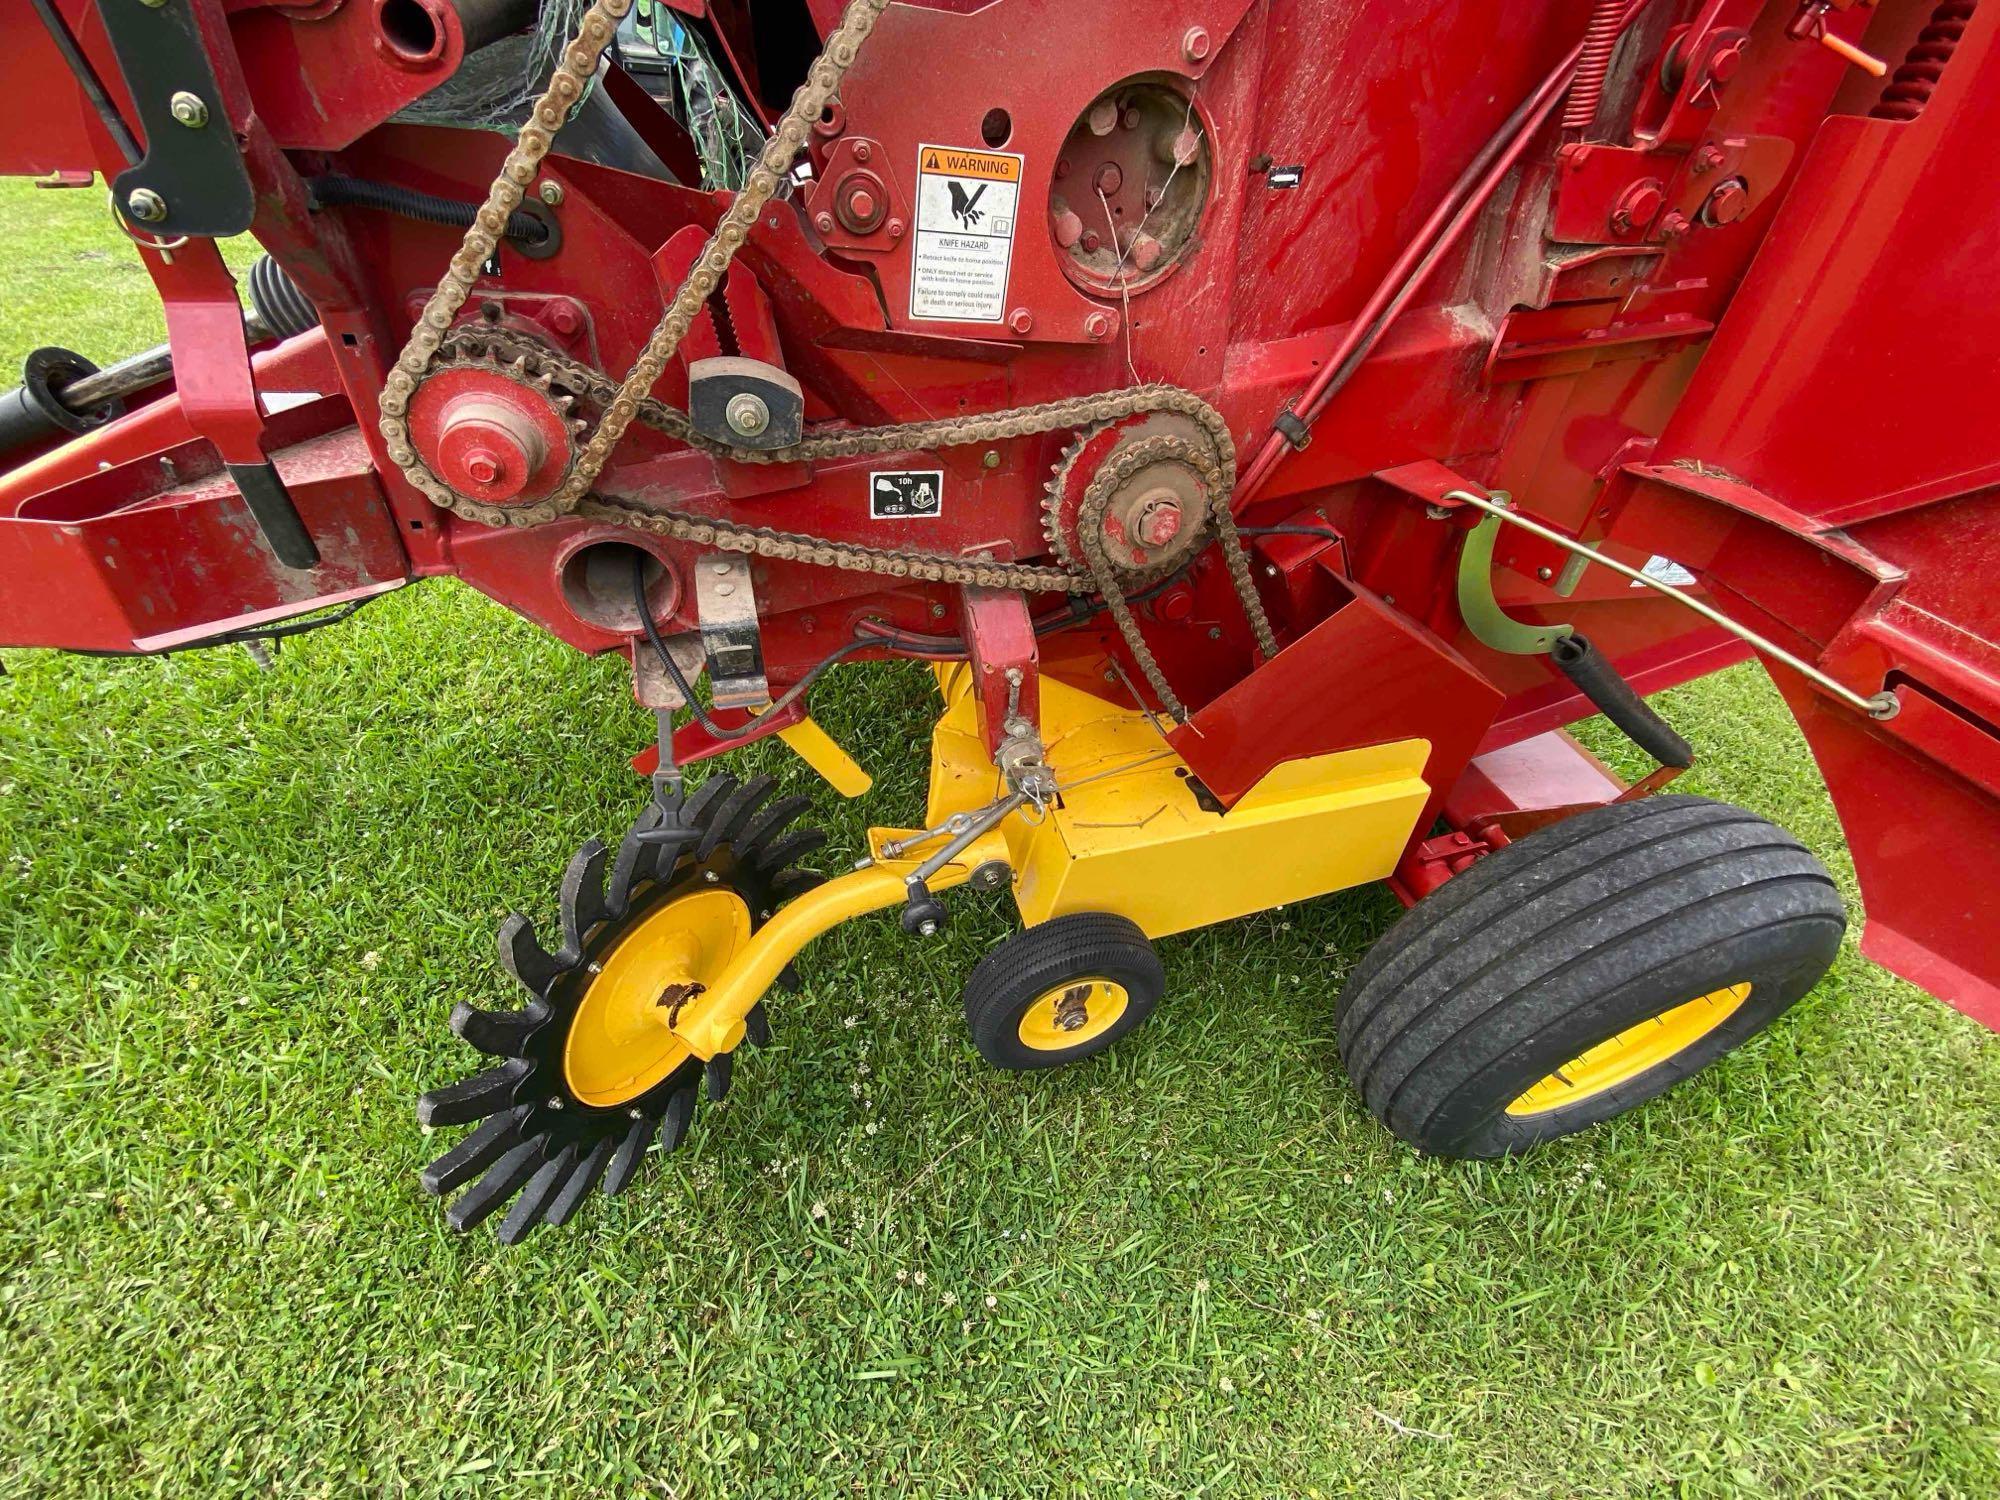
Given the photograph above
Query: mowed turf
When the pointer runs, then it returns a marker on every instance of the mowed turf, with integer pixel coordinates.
(238, 906)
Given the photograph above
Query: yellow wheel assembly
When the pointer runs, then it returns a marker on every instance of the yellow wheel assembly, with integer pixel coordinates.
(1062, 991)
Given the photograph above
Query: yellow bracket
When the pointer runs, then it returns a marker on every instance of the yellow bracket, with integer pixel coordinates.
(712, 1022)
(822, 752)
(1129, 834)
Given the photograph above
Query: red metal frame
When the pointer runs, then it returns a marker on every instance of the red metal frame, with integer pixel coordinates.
(1736, 322)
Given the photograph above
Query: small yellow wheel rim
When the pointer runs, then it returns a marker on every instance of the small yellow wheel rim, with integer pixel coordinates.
(1631, 1052)
(618, 1044)
(1071, 1014)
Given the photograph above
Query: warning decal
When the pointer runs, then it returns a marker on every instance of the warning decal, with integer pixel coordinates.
(966, 203)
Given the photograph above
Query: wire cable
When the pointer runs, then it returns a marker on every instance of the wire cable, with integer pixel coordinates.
(756, 721)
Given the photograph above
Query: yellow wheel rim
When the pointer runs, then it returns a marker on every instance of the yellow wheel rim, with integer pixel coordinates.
(1071, 1014)
(1631, 1052)
(618, 1044)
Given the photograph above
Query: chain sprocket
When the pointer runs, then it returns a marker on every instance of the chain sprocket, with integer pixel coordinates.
(628, 401)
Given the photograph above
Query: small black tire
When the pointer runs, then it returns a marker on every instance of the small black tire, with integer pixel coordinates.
(1039, 986)
(1483, 1022)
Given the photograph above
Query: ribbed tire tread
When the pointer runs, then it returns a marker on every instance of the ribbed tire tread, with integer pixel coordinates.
(1566, 937)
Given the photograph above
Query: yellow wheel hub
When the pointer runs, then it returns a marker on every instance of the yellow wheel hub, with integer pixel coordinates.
(1631, 1052)
(1071, 1014)
(618, 1044)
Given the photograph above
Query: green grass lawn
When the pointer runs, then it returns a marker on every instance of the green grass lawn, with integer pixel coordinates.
(238, 906)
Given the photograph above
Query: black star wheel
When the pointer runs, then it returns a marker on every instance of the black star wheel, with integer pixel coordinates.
(588, 1076)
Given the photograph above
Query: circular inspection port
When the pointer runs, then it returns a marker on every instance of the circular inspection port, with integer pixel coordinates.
(596, 582)
(1131, 183)
(413, 31)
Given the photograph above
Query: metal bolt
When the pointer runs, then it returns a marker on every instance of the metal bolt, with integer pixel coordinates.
(1098, 325)
(552, 194)
(823, 222)
(991, 460)
(862, 151)
(1159, 522)
(1637, 205)
(1545, 574)
(188, 109)
(1068, 227)
(746, 414)
(563, 317)
(1438, 512)
(593, 968)
(896, 228)
(146, 205)
(937, 611)
(1215, 632)
(1144, 252)
(1728, 203)
(1707, 159)
(927, 928)
(711, 877)
(1020, 320)
(634, 1114)
(1194, 46)
(1103, 117)
(555, 1101)
(1674, 225)
(1109, 178)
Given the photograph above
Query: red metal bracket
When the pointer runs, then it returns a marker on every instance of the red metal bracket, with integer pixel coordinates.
(1006, 662)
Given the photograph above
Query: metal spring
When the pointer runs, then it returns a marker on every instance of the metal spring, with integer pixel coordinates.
(1911, 86)
(1586, 87)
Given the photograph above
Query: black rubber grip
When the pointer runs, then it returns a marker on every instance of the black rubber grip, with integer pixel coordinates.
(1602, 684)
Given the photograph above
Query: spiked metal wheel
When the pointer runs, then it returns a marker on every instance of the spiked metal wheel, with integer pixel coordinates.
(588, 1077)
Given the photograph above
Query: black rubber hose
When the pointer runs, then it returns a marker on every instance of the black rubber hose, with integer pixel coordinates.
(1604, 686)
(34, 411)
(357, 192)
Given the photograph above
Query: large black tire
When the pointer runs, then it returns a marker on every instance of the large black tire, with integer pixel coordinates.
(1090, 967)
(1567, 939)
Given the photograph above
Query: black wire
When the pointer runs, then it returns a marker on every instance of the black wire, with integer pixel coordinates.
(277, 632)
(335, 191)
(1324, 533)
(757, 720)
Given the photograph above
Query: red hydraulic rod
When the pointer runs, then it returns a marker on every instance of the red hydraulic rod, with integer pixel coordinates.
(1440, 232)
